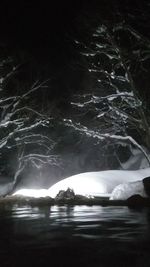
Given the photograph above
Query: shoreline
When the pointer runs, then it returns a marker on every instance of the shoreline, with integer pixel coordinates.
(79, 200)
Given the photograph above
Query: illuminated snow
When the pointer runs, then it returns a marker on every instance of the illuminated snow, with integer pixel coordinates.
(91, 183)
(32, 192)
(126, 190)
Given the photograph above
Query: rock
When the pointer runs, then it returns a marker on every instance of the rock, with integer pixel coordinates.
(125, 190)
(81, 198)
(65, 194)
(138, 201)
(146, 183)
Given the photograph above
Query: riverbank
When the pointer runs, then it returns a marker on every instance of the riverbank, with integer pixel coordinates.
(134, 201)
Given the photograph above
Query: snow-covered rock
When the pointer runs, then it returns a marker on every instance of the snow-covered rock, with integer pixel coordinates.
(63, 195)
(97, 183)
(126, 190)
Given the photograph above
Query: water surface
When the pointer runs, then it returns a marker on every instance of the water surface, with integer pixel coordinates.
(74, 236)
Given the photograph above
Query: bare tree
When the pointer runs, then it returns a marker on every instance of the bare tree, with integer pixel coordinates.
(24, 128)
(113, 102)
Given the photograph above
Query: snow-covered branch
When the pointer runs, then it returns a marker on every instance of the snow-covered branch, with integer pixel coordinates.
(25, 128)
(110, 110)
(106, 136)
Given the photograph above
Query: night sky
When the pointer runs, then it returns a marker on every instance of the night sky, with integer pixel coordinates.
(28, 24)
(43, 30)
(40, 38)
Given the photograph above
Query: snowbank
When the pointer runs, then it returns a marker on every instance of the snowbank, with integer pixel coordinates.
(100, 183)
(126, 190)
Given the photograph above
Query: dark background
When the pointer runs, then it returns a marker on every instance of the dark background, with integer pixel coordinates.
(39, 36)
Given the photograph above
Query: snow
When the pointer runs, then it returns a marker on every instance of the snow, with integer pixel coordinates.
(36, 193)
(126, 190)
(100, 183)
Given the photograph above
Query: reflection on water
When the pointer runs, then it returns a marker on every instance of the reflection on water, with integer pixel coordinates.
(93, 235)
(92, 222)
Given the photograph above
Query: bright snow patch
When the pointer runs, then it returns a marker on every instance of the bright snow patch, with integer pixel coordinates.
(91, 183)
(124, 191)
(32, 192)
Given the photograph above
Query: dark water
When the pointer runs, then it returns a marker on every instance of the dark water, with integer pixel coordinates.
(74, 236)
